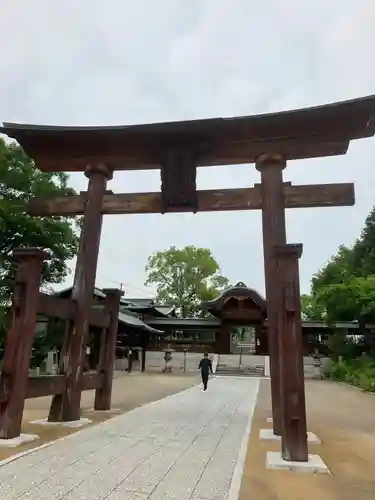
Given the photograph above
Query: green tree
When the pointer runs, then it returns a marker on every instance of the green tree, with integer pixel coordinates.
(340, 267)
(352, 300)
(363, 253)
(20, 181)
(344, 290)
(185, 277)
(357, 260)
(310, 309)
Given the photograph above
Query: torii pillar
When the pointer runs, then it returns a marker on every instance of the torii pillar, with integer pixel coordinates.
(274, 234)
(19, 340)
(67, 407)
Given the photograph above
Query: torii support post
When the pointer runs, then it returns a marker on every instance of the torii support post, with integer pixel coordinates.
(19, 340)
(274, 234)
(108, 350)
(130, 360)
(143, 359)
(292, 387)
(56, 403)
(68, 409)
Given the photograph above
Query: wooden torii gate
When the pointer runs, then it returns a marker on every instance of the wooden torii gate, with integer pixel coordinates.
(177, 149)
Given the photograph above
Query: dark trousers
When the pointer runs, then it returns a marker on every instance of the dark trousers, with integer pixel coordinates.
(205, 380)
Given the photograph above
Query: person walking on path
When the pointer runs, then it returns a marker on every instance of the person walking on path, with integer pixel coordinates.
(205, 366)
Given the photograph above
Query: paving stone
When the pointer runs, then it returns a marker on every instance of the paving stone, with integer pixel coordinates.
(120, 494)
(60, 474)
(101, 482)
(146, 477)
(62, 453)
(184, 476)
(183, 447)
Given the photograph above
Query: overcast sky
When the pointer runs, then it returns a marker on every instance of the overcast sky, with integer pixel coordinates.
(117, 62)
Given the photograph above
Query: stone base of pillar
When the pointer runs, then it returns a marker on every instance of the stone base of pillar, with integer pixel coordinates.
(74, 424)
(18, 441)
(267, 434)
(314, 465)
(112, 410)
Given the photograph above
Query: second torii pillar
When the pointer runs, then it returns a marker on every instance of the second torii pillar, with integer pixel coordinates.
(290, 346)
(107, 355)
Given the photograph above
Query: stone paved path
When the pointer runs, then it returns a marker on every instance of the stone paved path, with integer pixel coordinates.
(182, 447)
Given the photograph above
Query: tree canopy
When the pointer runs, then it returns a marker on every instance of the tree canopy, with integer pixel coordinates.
(351, 300)
(19, 182)
(185, 277)
(310, 309)
(344, 290)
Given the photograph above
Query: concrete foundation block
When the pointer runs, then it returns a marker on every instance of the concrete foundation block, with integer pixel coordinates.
(75, 424)
(267, 434)
(112, 410)
(18, 441)
(315, 465)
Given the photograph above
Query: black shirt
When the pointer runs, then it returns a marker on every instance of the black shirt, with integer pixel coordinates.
(205, 365)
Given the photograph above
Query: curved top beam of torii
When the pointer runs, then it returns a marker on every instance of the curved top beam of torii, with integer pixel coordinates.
(304, 133)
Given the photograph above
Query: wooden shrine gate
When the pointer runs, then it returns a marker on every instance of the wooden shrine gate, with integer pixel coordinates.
(15, 384)
(177, 149)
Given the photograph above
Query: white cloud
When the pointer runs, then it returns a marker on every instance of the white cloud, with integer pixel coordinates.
(111, 62)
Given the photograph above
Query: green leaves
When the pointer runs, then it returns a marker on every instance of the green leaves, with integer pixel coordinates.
(351, 300)
(185, 277)
(344, 290)
(20, 181)
(310, 309)
(340, 268)
(359, 260)
(359, 372)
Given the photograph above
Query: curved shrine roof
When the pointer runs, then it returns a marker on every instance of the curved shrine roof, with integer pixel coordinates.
(240, 290)
(303, 133)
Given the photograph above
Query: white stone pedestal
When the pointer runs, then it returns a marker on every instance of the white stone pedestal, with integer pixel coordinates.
(315, 464)
(112, 410)
(74, 424)
(267, 434)
(18, 441)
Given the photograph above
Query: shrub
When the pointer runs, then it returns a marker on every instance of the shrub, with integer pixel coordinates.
(359, 372)
(338, 370)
